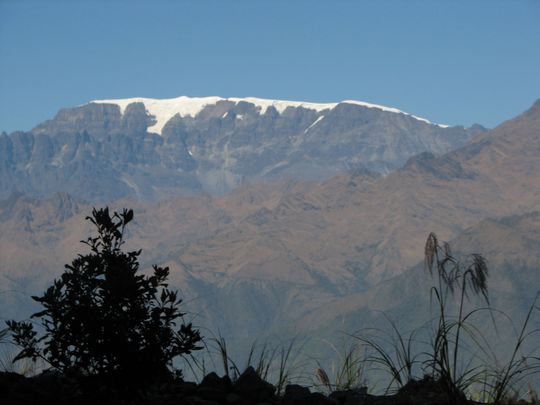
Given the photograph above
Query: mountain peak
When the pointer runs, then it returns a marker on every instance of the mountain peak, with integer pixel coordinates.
(534, 110)
(164, 109)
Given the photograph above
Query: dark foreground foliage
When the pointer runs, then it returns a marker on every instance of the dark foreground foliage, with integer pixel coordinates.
(110, 335)
(248, 389)
(105, 321)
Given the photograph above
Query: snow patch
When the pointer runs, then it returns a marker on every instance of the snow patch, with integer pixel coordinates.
(164, 109)
(391, 109)
(282, 105)
(314, 123)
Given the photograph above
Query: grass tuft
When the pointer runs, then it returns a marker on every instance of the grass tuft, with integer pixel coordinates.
(348, 373)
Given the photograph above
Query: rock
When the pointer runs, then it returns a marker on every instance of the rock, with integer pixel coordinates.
(429, 390)
(214, 381)
(198, 401)
(210, 394)
(233, 398)
(252, 387)
(214, 388)
(183, 388)
(349, 397)
(293, 393)
(316, 398)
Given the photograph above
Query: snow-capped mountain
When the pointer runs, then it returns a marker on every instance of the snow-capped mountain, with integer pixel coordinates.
(152, 149)
(165, 109)
(289, 257)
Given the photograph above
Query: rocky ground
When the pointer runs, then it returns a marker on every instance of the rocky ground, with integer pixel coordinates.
(248, 389)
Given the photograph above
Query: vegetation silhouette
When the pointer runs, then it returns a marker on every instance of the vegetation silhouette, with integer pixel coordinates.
(116, 332)
(459, 362)
(104, 319)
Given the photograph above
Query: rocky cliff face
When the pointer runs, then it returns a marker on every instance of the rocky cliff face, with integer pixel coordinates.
(103, 151)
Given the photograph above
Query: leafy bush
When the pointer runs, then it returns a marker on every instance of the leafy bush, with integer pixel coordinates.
(103, 318)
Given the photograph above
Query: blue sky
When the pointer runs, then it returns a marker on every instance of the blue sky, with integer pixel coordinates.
(455, 62)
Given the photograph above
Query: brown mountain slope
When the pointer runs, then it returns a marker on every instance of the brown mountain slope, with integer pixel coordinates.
(356, 230)
(511, 246)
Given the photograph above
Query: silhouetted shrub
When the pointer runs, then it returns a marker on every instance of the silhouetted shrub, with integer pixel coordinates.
(102, 318)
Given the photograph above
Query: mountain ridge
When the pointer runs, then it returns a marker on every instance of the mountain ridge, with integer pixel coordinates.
(165, 109)
(98, 153)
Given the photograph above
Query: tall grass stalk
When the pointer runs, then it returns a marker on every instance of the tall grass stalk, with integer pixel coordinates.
(520, 366)
(285, 368)
(277, 363)
(453, 278)
(347, 374)
(399, 361)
